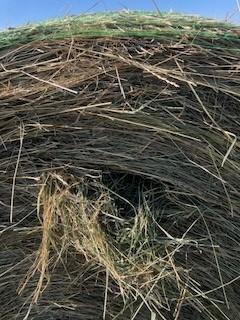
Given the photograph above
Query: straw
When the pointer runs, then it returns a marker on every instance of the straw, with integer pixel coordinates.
(120, 168)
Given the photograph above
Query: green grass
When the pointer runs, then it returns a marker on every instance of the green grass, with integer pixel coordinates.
(168, 27)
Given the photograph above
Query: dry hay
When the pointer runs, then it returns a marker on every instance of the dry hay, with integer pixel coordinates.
(120, 170)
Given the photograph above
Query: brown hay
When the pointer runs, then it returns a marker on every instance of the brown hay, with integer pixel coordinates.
(119, 180)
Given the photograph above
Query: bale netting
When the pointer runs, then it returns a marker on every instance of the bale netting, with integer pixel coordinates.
(120, 169)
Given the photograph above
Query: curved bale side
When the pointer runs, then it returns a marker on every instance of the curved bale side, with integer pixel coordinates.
(120, 169)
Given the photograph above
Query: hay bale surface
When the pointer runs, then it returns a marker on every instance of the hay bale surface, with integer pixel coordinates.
(120, 169)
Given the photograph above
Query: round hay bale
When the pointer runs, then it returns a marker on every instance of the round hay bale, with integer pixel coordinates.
(120, 169)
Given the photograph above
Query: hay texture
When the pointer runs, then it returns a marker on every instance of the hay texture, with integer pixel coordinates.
(120, 169)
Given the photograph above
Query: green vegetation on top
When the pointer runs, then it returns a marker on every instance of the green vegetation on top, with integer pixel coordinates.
(168, 27)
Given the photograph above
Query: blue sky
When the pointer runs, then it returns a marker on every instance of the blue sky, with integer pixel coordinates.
(17, 12)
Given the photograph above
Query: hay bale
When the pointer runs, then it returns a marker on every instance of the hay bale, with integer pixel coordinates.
(120, 169)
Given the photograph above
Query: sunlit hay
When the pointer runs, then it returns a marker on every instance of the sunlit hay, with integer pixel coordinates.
(84, 216)
(46, 211)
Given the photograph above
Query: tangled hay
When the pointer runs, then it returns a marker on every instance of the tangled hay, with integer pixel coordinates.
(120, 169)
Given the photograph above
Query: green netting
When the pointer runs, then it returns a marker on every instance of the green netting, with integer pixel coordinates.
(168, 27)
